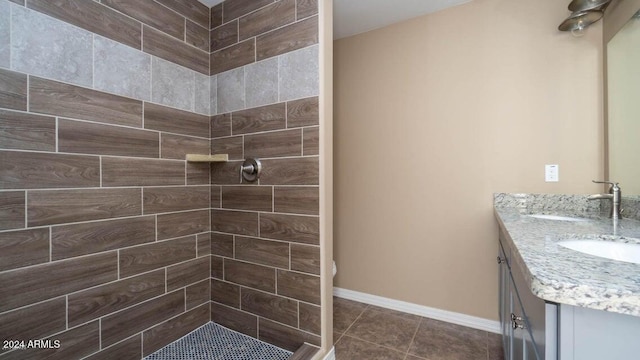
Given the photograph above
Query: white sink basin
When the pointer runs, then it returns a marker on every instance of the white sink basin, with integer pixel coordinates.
(556, 217)
(606, 249)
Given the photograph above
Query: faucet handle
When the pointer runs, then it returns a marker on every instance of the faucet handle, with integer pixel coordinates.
(605, 182)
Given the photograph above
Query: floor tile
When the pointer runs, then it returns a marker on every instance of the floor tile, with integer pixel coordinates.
(437, 340)
(345, 312)
(496, 351)
(336, 337)
(349, 348)
(384, 327)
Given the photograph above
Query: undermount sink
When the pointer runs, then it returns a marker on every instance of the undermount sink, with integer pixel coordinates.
(557, 217)
(607, 249)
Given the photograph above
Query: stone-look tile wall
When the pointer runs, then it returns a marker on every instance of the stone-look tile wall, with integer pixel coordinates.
(265, 262)
(104, 228)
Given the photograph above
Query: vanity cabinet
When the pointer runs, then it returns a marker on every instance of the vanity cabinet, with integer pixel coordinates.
(528, 323)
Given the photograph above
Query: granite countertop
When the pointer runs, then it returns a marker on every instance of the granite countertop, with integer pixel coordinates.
(557, 274)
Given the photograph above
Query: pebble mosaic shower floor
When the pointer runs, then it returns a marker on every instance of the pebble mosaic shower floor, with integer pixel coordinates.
(214, 342)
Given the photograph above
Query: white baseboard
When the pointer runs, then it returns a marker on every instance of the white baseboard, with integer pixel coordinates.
(425, 311)
(331, 355)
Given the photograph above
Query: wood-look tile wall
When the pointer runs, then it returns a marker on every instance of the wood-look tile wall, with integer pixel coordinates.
(104, 228)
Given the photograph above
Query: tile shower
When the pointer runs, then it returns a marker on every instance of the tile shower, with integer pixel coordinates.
(109, 241)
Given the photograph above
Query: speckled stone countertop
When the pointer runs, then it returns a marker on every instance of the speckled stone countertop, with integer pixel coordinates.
(557, 274)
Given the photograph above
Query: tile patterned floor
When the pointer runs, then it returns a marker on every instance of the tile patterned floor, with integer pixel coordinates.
(367, 332)
(214, 342)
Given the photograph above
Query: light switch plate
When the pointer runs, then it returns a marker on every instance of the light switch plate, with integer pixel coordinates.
(551, 173)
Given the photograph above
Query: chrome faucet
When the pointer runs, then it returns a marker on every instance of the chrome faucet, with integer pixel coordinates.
(615, 194)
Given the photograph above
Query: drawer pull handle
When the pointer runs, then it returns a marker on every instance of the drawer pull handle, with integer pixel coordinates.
(500, 260)
(516, 322)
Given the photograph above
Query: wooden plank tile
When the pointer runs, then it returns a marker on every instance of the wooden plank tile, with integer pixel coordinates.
(264, 252)
(217, 267)
(178, 146)
(152, 256)
(102, 300)
(234, 56)
(305, 258)
(220, 125)
(264, 118)
(222, 244)
(234, 319)
(89, 138)
(92, 16)
(27, 131)
(87, 238)
(125, 323)
(270, 17)
(228, 145)
(311, 141)
(215, 16)
(199, 294)
(129, 349)
(273, 144)
(198, 173)
(182, 224)
(141, 172)
(27, 170)
(270, 306)
(204, 244)
(55, 98)
(296, 200)
(170, 199)
(23, 248)
(173, 329)
(38, 283)
(64, 206)
(151, 13)
(303, 112)
(283, 336)
(306, 8)
(225, 293)
(162, 118)
(297, 171)
(216, 196)
(223, 36)
(299, 286)
(257, 198)
(12, 212)
(251, 275)
(197, 35)
(291, 37)
(302, 229)
(171, 49)
(234, 222)
(13, 90)
(235, 8)
(35, 321)
(227, 173)
(188, 273)
(310, 319)
(193, 10)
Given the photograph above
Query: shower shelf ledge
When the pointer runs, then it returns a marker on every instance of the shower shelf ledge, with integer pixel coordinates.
(207, 158)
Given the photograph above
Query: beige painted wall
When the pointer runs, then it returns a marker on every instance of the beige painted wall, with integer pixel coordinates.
(434, 115)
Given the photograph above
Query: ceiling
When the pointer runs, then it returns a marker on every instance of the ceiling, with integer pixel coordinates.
(351, 17)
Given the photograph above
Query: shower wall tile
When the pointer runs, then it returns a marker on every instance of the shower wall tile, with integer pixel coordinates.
(298, 171)
(182, 223)
(202, 94)
(225, 293)
(305, 258)
(223, 36)
(13, 90)
(176, 51)
(193, 10)
(261, 85)
(12, 210)
(234, 319)
(50, 207)
(310, 319)
(90, 138)
(293, 228)
(230, 91)
(263, 252)
(141, 172)
(178, 146)
(220, 125)
(268, 18)
(215, 16)
(188, 273)
(306, 8)
(232, 146)
(299, 286)
(22, 131)
(173, 329)
(222, 244)
(5, 34)
(78, 342)
(149, 257)
(51, 48)
(217, 267)
(273, 307)
(151, 13)
(255, 198)
(286, 39)
(270, 117)
(226, 173)
(274, 144)
(129, 349)
(198, 173)
(162, 118)
(303, 112)
(197, 35)
(251, 275)
(283, 336)
(234, 222)
(296, 200)
(172, 85)
(23, 248)
(235, 8)
(204, 244)
(35, 321)
(216, 196)
(94, 17)
(128, 322)
(121, 70)
(299, 73)
(172, 199)
(199, 294)
(311, 141)
(59, 99)
(73, 240)
(234, 56)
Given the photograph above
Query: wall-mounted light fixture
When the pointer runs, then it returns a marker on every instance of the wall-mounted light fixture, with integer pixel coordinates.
(584, 13)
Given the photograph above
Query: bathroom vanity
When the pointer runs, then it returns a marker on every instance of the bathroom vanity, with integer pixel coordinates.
(561, 303)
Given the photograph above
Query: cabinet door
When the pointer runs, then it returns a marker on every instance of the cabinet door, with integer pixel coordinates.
(504, 310)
